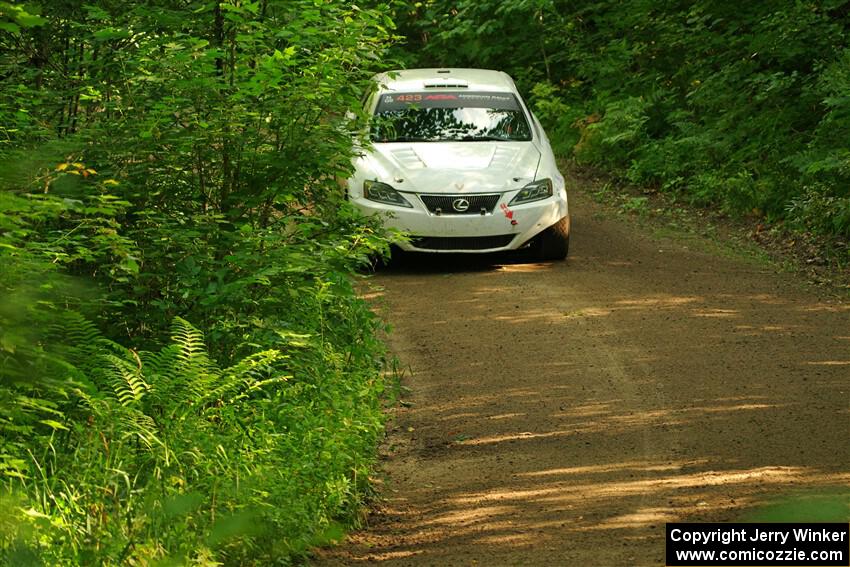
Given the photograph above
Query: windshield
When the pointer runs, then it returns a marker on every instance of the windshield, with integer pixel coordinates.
(448, 117)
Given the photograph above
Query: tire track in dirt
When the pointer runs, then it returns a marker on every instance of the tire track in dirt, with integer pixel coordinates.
(562, 413)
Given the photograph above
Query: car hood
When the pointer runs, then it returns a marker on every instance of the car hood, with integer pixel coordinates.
(455, 167)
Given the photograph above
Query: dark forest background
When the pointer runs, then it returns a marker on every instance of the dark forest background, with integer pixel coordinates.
(741, 107)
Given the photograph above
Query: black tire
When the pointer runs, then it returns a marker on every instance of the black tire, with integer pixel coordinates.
(554, 242)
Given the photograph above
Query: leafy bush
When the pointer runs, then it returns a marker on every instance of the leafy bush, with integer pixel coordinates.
(818, 209)
(167, 164)
(550, 108)
(615, 137)
(112, 454)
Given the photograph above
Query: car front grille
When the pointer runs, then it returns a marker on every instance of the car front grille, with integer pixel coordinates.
(450, 204)
(462, 242)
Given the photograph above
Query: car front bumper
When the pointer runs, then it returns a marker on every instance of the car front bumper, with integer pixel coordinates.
(505, 228)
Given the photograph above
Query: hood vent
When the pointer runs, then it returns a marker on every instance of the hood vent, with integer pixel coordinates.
(408, 158)
(503, 157)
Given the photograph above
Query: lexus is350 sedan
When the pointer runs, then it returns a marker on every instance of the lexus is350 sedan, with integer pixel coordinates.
(459, 162)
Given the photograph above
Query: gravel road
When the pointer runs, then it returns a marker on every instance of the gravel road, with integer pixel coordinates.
(562, 413)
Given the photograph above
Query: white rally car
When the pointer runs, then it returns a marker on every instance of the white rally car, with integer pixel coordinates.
(459, 163)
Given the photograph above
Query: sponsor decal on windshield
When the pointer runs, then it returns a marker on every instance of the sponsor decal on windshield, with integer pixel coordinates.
(402, 101)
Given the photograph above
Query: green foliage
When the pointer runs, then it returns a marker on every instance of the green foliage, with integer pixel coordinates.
(164, 451)
(825, 505)
(550, 108)
(616, 138)
(166, 163)
(740, 107)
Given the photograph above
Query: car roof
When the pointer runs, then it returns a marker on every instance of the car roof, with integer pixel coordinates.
(407, 80)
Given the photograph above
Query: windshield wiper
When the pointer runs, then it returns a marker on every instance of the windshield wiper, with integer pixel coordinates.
(485, 139)
(407, 139)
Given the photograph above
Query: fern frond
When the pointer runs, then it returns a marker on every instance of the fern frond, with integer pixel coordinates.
(142, 427)
(190, 340)
(250, 374)
(75, 329)
(76, 340)
(194, 371)
(126, 379)
(161, 365)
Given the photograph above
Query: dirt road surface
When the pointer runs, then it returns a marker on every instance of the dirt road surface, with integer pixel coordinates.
(562, 413)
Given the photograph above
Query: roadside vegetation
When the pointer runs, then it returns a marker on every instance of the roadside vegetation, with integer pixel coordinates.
(186, 373)
(738, 108)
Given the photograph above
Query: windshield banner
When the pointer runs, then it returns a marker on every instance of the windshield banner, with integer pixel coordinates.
(401, 101)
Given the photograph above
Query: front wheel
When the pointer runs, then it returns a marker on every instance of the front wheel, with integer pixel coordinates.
(554, 242)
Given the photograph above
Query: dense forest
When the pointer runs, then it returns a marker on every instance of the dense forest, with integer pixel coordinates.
(187, 374)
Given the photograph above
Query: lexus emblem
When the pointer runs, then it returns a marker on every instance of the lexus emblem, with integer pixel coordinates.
(460, 205)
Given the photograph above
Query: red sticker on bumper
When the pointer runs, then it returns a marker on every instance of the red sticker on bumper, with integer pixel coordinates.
(509, 214)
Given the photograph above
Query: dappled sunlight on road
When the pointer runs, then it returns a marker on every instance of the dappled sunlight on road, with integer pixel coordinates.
(715, 312)
(558, 408)
(610, 423)
(611, 468)
(656, 302)
(540, 506)
(507, 416)
(526, 268)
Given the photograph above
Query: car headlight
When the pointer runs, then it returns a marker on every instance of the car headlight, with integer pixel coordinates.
(383, 193)
(534, 191)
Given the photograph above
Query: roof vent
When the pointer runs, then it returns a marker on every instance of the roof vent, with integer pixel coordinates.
(446, 84)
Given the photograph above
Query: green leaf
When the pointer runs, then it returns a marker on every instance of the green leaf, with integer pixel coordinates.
(95, 12)
(54, 424)
(29, 20)
(110, 33)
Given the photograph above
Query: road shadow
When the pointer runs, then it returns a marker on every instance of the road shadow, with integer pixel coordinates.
(402, 262)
